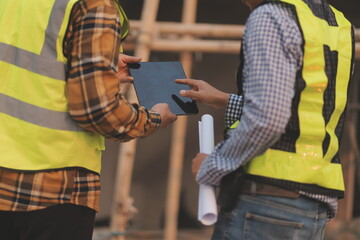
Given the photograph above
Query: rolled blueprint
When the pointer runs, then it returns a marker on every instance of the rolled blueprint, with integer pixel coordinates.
(207, 212)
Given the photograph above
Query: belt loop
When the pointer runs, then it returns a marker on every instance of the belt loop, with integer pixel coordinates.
(253, 188)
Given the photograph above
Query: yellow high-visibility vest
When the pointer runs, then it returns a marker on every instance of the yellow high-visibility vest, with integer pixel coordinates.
(36, 131)
(309, 163)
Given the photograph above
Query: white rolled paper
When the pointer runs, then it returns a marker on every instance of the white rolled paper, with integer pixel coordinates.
(207, 208)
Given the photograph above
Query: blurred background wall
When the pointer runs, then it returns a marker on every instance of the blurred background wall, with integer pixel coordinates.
(150, 173)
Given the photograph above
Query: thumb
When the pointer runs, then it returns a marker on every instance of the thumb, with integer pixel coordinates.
(131, 59)
(127, 79)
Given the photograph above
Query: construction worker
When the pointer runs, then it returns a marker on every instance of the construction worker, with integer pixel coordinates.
(278, 168)
(60, 76)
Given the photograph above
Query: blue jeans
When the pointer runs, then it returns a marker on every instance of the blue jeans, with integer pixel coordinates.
(272, 218)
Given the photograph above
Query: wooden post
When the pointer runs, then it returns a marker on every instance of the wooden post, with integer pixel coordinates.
(122, 207)
(357, 35)
(350, 154)
(352, 170)
(178, 141)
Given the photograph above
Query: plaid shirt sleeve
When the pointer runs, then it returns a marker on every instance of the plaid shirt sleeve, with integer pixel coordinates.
(272, 51)
(93, 88)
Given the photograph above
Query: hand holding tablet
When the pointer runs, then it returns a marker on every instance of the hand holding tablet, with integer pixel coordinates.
(154, 83)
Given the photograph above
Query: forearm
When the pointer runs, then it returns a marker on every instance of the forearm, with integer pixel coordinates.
(250, 138)
(119, 120)
(95, 103)
(93, 86)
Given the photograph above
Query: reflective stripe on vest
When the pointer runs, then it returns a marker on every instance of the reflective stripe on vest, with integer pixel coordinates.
(36, 131)
(308, 164)
(36, 115)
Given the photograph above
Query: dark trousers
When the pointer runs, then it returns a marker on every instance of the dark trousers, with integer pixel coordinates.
(59, 222)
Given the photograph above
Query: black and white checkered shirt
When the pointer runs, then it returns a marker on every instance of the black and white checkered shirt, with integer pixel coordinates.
(273, 53)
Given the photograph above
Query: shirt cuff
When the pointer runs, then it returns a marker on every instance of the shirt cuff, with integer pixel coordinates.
(233, 110)
(154, 122)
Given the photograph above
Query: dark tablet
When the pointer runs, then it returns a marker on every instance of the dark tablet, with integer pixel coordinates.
(155, 83)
